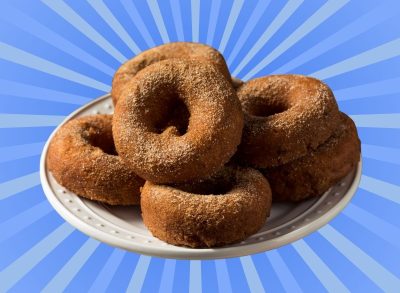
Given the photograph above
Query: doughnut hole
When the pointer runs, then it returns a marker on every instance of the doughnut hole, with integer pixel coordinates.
(265, 106)
(176, 115)
(102, 140)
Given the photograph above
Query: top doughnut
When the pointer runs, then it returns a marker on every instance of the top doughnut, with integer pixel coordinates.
(177, 120)
(286, 116)
(178, 50)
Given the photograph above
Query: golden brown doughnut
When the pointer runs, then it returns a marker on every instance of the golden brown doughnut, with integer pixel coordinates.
(224, 209)
(162, 152)
(178, 50)
(82, 158)
(286, 117)
(316, 172)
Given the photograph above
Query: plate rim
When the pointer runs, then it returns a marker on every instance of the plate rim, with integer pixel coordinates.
(184, 252)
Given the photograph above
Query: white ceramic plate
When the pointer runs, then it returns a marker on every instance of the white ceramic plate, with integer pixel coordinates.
(123, 226)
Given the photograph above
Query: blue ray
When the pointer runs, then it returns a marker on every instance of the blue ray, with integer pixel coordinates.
(38, 93)
(181, 273)
(19, 222)
(167, 279)
(80, 24)
(26, 59)
(358, 26)
(319, 268)
(195, 20)
(120, 279)
(253, 280)
(323, 13)
(377, 120)
(248, 29)
(21, 120)
(12, 274)
(44, 33)
(214, 12)
(19, 184)
(116, 26)
(279, 20)
(380, 153)
(136, 18)
(136, 283)
(224, 282)
(110, 267)
(177, 16)
(383, 52)
(157, 16)
(16, 152)
(383, 189)
(284, 274)
(379, 88)
(381, 228)
(195, 277)
(72, 267)
(235, 10)
(378, 274)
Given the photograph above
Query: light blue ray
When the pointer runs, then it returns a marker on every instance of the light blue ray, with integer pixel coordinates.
(377, 273)
(157, 16)
(116, 26)
(377, 120)
(328, 279)
(381, 228)
(66, 12)
(26, 59)
(383, 52)
(195, 277)
(212, 23)
(16, 152)
(15, 271)
(322, 14)
(72, 267)
(358, 26)
(19, 184)
(380, 153)
(233, 15)
(250, 272)
(383, 189)
(107, 272)
(133, 13)
(42, 32)
(21, 120)
(177, 16)
(283, 15)
(248, 29)
(167, 279)
(195, 20)
(19, 222)
(284, 274)
(224, 282)
(384, 87)
(28, 91)
(136, 283)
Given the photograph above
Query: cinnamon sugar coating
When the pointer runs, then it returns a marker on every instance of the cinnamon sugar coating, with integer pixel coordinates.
(286, 117)
(316, 172)
(82, 158)
(223, 209)
(177, 50)
(147, 125)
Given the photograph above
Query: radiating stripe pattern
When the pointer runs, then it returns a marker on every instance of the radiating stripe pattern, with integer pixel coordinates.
(56, 56)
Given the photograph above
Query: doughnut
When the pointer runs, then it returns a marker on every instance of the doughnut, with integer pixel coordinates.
(82, 158)
(315, 173)
(236, 83)
(223, 209)
(178, 50)
(165, 149)
(286, 117)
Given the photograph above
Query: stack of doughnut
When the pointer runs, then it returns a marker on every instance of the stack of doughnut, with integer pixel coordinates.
(203, 153)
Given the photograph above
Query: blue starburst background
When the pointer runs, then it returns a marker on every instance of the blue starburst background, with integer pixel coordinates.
(55, 56)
